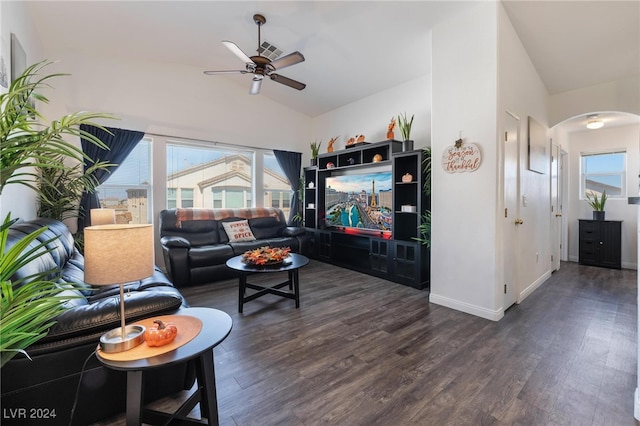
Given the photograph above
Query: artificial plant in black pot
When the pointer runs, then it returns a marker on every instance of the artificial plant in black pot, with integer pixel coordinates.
(405, 130)
(597, 204)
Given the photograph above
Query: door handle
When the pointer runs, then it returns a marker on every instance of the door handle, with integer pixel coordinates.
(558, 214)
(519, 221)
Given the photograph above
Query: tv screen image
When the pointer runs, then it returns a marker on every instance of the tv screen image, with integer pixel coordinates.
(359, 201)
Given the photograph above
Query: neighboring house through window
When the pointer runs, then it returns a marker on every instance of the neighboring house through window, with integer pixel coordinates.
(200, 175)
(128, 190)
(603, 171)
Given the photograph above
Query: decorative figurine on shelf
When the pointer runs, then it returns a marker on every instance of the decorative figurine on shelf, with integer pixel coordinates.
(351, 161)
(331, 142)
(407, 178)
(330, 165)
(377, 158)
(351, 141)
(392, 124)
(359, 138)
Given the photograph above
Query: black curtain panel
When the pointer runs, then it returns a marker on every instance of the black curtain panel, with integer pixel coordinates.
(291, 163)
(120, 142)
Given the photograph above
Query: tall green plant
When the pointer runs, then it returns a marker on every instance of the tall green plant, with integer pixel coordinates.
(425, 220)
(28, 147)
(298, 218)
(425, 229)
(26, 142)
(60, 189)
(426, 170)
(29, 304)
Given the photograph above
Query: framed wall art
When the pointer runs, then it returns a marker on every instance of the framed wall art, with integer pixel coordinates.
(538, 147)
(18, 58)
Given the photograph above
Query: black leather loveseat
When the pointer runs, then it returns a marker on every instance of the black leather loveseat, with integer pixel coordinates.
(49, 380)
(196, 245)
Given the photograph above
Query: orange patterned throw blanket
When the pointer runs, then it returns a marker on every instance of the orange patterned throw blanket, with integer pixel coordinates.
(217, 214)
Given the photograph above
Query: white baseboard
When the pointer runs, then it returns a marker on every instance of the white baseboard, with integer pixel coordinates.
(466, 307)
(531, 288)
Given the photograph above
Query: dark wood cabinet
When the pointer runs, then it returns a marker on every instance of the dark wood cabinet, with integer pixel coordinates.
(600, 243)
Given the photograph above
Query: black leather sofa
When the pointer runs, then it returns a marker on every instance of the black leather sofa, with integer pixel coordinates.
(48, 382)
(196, 246)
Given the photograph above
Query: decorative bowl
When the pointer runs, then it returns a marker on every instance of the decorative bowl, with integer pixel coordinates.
(266, 255)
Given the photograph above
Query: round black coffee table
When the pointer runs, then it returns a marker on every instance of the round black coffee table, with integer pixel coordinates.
(291, 265)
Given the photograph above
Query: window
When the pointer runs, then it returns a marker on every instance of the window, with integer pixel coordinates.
(186, 197)
(604, 172)
(171, 198)
(128, 189)
(208, 176)
(277, 190)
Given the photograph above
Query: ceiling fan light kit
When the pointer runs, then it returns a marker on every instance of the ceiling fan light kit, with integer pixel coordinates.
(261, 66)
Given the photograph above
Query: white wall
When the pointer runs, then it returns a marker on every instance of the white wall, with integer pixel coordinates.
(371, 115)
(622, 95)
(523, 94)
(589, 141)
(464, 266)
(176, 100)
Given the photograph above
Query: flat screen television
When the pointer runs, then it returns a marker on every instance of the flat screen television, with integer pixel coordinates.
(359, 201)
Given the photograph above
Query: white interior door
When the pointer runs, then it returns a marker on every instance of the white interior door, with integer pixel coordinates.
(511, 208)
(556, 207)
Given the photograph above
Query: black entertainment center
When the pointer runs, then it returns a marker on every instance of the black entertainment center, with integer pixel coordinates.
(363, 205)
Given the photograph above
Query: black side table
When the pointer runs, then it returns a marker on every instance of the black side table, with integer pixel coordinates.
(295, 262)
(216, 326)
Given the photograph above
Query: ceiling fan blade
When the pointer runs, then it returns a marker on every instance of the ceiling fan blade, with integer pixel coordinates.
(287, 81)
(226, 72)
(288, 60)
(237, 51)
(256, 84)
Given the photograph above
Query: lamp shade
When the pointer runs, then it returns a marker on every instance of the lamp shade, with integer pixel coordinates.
(116, 254)
(103, 216)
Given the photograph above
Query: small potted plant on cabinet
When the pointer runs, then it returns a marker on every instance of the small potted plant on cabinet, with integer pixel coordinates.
(405, 130)
(597, 204)
(315, 149)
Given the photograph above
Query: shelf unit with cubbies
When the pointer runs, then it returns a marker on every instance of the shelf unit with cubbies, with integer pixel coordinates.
(400, 258)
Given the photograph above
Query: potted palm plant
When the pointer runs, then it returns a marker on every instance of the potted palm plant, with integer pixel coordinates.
(597, 204)
(28, 145)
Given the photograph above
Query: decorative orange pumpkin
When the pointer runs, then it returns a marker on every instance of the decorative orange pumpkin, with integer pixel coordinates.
(160, 334)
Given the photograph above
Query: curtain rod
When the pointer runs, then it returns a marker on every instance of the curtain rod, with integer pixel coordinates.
(206, 141)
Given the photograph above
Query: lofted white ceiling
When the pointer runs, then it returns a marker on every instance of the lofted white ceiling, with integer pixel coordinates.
(352, 48)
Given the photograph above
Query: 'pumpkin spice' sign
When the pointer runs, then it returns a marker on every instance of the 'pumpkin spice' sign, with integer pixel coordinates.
(461, 157)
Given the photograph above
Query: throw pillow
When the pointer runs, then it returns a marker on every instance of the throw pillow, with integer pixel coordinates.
(238, 231)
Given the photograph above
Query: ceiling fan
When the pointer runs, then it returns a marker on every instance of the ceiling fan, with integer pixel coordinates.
(261, 66)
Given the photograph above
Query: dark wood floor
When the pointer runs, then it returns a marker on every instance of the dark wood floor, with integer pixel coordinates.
(365, 351)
